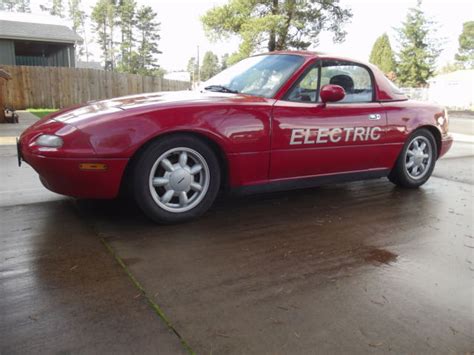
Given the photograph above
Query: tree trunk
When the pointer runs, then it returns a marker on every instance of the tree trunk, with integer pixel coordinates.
(272, 41)
(283, 33)
(272, 37)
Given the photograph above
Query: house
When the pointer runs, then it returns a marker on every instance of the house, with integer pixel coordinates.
(454, 90)
(27, 39)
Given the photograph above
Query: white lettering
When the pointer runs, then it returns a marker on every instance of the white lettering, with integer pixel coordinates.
(322, 133)
(296, 134)
(359, 133)
(374, 135)
(348, 133)
(367, 132)
(335, 135)
(307, 136)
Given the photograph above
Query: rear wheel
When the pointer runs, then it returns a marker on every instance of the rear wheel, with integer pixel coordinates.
(176, 178)
(416, 162)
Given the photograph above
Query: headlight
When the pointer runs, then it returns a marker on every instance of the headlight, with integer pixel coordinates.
(48, 140)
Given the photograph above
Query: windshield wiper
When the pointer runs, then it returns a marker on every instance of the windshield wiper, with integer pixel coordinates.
(220, 88)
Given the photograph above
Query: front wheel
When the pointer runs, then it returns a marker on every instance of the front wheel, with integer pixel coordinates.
(416, 162)
(176, 178)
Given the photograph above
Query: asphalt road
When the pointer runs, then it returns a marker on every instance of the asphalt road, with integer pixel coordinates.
(358, 267)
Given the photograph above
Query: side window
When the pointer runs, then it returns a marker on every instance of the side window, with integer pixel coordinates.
(355, 80)
(306, 90)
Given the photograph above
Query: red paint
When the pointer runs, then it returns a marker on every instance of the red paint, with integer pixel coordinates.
(253, 134)
(331, 93)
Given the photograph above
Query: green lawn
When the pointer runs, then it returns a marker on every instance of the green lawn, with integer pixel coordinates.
(41, 112)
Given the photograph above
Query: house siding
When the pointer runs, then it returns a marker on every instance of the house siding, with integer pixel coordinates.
(7, 52)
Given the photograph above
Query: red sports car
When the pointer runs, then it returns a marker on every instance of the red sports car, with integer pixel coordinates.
(280, 120)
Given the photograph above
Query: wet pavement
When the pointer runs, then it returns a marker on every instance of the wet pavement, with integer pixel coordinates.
(358, 267)
(62, 292)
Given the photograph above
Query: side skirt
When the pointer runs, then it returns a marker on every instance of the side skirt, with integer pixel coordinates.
(303, 183)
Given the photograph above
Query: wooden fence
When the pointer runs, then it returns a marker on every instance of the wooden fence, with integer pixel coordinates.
(51, 87)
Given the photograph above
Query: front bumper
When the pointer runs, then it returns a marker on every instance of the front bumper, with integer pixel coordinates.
(64, 176)
(446, 143)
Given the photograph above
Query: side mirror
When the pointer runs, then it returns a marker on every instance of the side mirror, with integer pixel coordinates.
(332, 93)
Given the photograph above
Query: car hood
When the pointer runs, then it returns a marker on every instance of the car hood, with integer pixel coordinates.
(136, 104)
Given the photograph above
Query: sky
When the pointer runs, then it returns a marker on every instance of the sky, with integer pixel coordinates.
(182, 31)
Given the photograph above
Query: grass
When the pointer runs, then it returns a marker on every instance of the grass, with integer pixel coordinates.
(143, 292)
(41, 112)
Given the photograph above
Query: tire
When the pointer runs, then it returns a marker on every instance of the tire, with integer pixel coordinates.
(175, 179)
(419, 151)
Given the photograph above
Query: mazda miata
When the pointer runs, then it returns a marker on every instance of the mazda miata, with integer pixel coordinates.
(274, 121)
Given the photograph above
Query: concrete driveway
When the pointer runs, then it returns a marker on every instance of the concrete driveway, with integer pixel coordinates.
(359, 267)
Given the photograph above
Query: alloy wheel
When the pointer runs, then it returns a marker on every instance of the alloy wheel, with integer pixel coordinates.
(179, 179)
(418, 157)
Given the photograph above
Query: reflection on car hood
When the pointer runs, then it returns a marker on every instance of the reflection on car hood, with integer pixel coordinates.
(150, 101)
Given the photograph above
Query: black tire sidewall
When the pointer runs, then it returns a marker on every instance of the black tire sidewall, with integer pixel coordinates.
(399, 174)
(144, 164)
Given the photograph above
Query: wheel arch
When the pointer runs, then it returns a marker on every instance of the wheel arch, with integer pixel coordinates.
(212, 143)
(436, 134)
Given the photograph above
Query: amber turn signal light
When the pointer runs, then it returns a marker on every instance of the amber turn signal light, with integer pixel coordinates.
(93, 166)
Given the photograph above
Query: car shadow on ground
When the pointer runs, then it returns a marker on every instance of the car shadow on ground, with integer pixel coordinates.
(358, 209)
(285, 205)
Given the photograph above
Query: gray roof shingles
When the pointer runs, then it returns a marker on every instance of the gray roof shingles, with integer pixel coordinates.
(37, 32)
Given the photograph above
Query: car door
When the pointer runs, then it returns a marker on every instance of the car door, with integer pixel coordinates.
(310, 138)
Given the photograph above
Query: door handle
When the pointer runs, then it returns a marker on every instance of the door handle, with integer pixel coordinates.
(375, 116)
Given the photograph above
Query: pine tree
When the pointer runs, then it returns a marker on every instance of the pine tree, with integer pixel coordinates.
(224, 61)
(23, 6)
(382, 54)
(111, 22)
(78, 18)
(103, 20)
(148, 37)
(15, 5)
(210, 66)
(126, 22)
(57, 8)
(419, 51)
(465, 55)
(7, 5)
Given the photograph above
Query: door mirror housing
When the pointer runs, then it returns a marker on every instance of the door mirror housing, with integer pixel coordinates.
(332, 93)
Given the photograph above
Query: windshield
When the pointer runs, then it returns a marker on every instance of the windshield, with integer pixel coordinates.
(261, 75)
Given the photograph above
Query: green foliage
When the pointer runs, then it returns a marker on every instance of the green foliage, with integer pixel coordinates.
(450, 67)
(103, 22)
(224, 61)
(57, 8)
(76, 15)
(147, 38)
(210, 66)
(192, 69)
(139, 36)
(419, 51)
(382, 54)
(15, 5)
(127, 20)
(276, 24)
(78, 18)
(465, 55)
